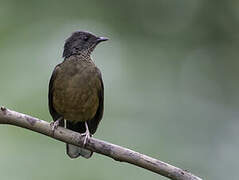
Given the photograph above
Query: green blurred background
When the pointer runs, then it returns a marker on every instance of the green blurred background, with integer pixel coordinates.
(171, 85)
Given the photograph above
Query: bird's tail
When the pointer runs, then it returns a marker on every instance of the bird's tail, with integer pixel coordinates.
(75, 151)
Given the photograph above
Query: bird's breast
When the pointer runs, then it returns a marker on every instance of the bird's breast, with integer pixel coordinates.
(75, 94)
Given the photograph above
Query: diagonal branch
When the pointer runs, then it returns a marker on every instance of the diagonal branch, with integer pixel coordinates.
(111, 150)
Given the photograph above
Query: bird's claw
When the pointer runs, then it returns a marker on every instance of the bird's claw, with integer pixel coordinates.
(87, 136)
(54, 125)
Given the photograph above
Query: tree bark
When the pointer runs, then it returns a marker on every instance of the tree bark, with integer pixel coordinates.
(111, 150)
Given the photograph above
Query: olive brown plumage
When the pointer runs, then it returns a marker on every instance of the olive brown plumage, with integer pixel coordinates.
(76, 90)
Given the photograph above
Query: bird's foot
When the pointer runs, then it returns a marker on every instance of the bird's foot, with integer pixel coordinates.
(54, 125)
(86, 134)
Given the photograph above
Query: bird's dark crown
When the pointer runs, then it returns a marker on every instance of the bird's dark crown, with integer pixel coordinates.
(81, 42)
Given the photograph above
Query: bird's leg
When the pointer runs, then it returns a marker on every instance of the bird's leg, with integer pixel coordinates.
(54, 124)
(86, 134)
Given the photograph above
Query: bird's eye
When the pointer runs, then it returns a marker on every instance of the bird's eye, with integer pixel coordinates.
(86, 38)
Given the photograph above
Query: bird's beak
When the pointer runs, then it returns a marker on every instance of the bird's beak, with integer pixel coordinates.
(100, 39)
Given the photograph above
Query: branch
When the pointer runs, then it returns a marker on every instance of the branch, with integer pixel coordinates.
(111, 150)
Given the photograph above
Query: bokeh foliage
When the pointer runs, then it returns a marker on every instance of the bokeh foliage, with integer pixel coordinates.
(171, 84)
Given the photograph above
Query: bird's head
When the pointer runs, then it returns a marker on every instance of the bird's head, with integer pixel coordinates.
(81, 42)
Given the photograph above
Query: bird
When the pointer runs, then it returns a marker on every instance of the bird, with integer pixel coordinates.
(76, 90)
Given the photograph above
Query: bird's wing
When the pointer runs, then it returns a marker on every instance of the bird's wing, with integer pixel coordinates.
(93, 123)
(53, 112)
